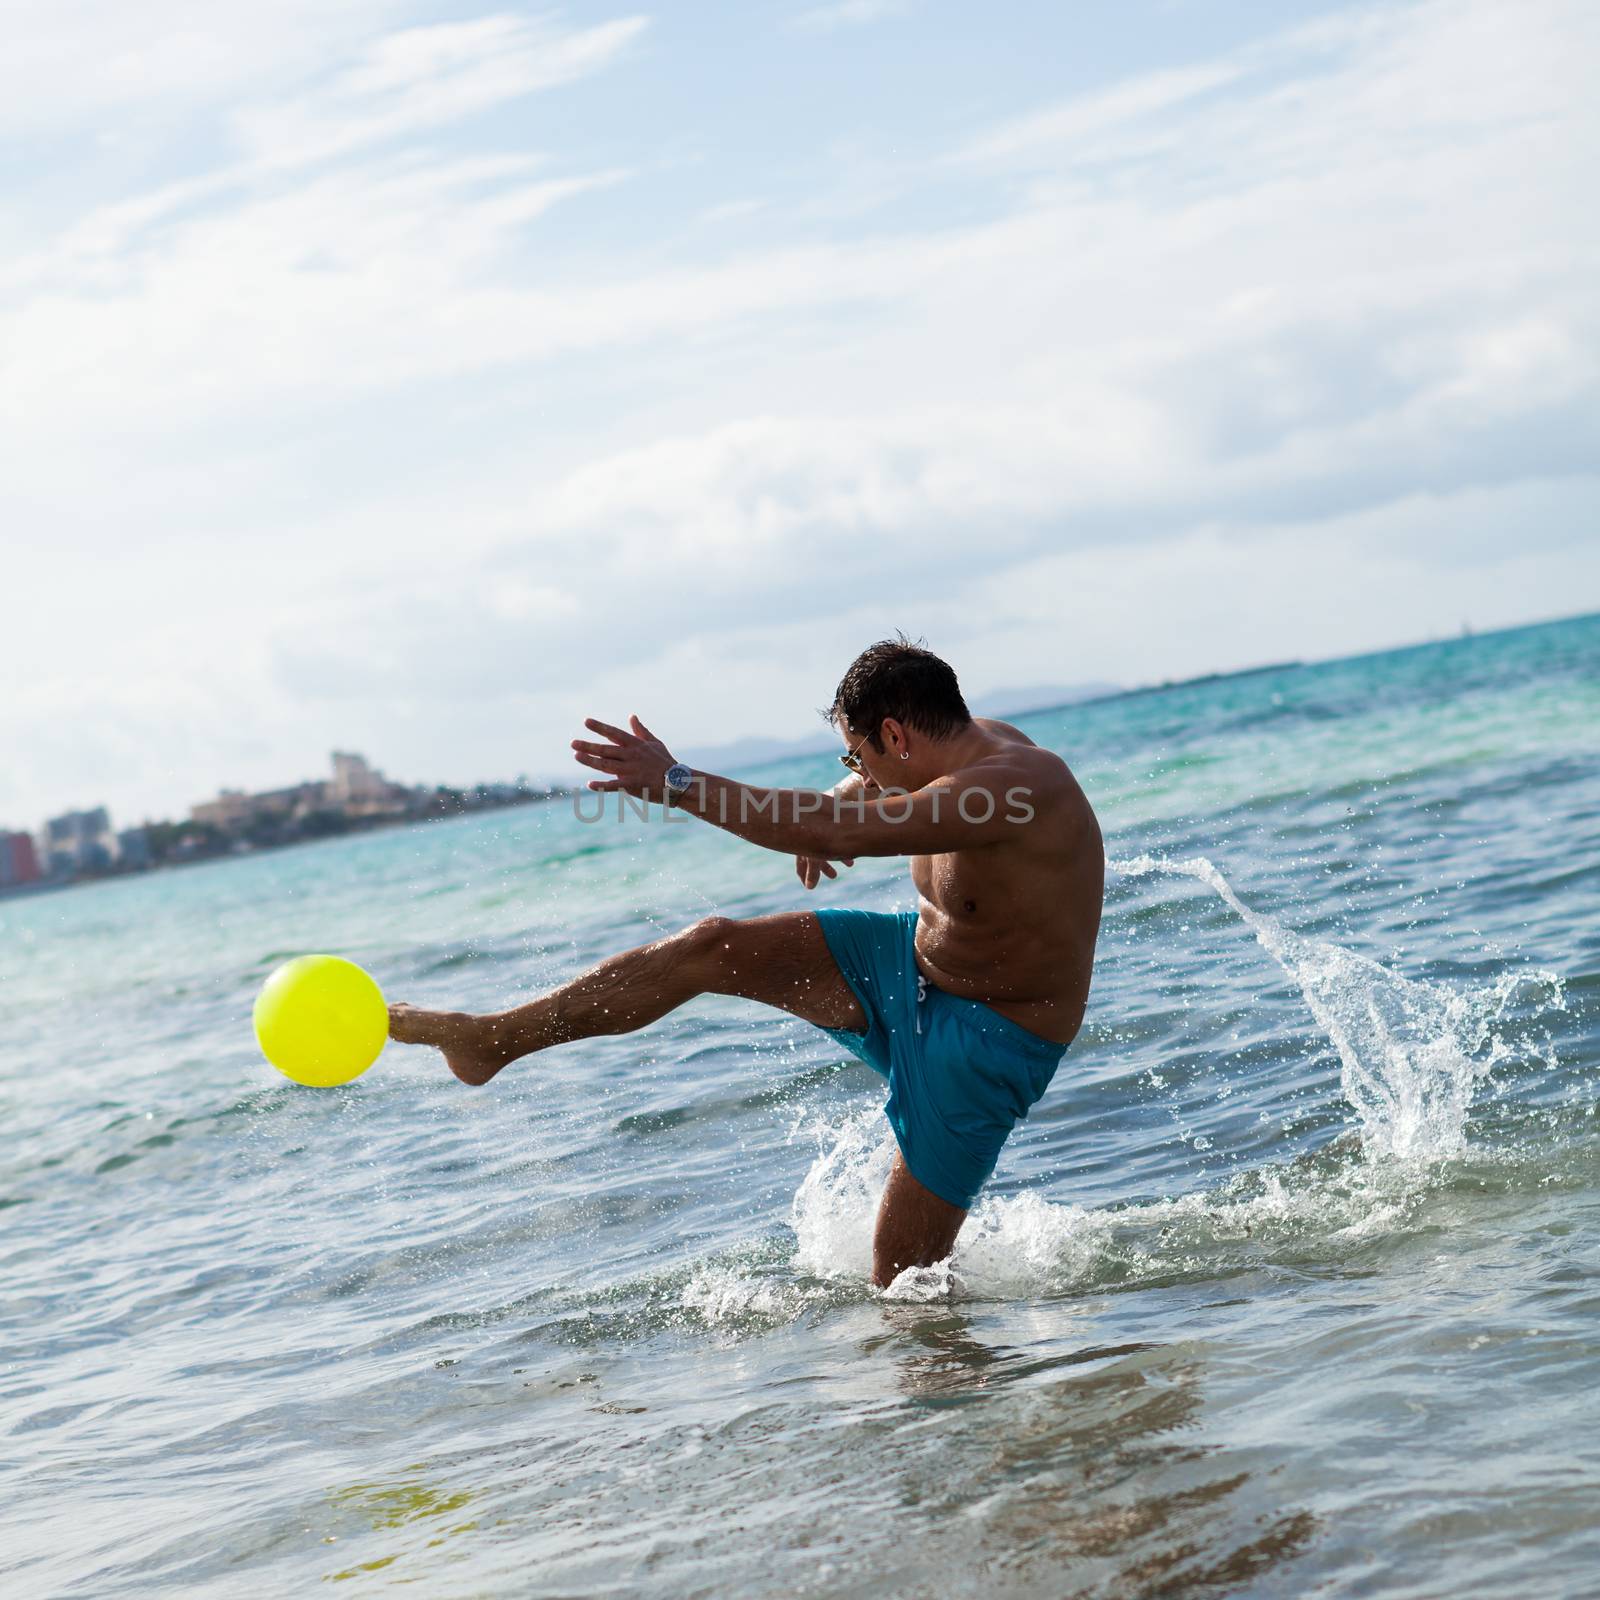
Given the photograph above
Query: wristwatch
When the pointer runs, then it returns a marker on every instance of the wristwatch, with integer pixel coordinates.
(677, 780)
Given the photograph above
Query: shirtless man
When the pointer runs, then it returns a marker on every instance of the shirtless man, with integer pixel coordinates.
(966, 1005)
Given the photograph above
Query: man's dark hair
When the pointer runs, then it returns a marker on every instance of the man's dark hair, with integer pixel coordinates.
(899, 679)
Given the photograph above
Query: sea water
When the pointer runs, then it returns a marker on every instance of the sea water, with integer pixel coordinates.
(1290, 1284)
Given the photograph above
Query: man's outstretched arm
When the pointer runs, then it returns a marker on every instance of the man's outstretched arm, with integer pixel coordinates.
(954, 813)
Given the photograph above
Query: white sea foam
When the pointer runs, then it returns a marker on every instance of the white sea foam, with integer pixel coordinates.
(926, 1285)
(1411, 1052)
(733, 1297)
(1025, 1244)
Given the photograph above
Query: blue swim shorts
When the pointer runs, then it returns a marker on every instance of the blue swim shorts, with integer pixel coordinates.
(960, 1075)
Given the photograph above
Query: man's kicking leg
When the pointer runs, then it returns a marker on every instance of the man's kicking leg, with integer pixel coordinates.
(781, 960)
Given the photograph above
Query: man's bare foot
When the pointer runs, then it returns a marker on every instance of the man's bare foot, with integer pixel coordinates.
(470, 1048)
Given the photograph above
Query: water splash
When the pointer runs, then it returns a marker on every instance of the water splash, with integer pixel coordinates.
(1321, 1208)
(836, 1204)
(1025, 1245)
(1411, 1052)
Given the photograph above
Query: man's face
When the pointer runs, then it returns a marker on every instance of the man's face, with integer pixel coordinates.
(863, 758)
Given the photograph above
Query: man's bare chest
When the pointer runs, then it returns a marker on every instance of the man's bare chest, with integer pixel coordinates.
(956, 883)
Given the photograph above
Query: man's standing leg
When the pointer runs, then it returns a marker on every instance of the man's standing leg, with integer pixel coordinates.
(915, 1227)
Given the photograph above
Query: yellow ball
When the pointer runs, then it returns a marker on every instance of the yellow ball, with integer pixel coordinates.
(321, 1020)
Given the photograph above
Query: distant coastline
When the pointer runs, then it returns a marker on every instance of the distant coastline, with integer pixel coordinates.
(1182, 683)
(445, 806)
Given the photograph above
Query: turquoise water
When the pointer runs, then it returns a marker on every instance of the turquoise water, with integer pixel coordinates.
(1290, 1284)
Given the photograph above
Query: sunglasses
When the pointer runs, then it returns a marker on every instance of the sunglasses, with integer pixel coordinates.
(852, 759)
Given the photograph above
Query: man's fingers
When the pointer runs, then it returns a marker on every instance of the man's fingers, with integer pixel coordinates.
(602, 763)
(812, 870)
(588, 748)
(605, 786)
(595, 725)
(639, 728)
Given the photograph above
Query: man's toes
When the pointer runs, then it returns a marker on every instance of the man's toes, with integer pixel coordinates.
(407, 1024)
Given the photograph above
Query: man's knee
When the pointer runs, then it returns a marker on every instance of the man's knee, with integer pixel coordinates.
(712, 944)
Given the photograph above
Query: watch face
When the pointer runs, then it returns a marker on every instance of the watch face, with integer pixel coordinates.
(678, 776)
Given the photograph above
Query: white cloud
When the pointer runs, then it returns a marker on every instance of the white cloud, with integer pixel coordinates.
(423, 78)
(1292, 590)
(851, 14)
(68, 60)
(1054, 133)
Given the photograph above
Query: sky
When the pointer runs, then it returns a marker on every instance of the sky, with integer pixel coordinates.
(420, 378)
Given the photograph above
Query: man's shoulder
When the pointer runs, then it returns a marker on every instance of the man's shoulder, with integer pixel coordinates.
(1037, 783)
(1023, 759)
(1004, 730)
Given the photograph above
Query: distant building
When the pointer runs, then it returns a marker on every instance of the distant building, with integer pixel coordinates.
(355, 790)
(233, 811)
(357, 784)
(359, 790)
(19, 861)
(78, 841)
(133, 849)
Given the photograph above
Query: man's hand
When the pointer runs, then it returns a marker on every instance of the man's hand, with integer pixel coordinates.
(813, 869)
(637, 761)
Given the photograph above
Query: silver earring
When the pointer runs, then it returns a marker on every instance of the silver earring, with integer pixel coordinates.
(905, 755)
